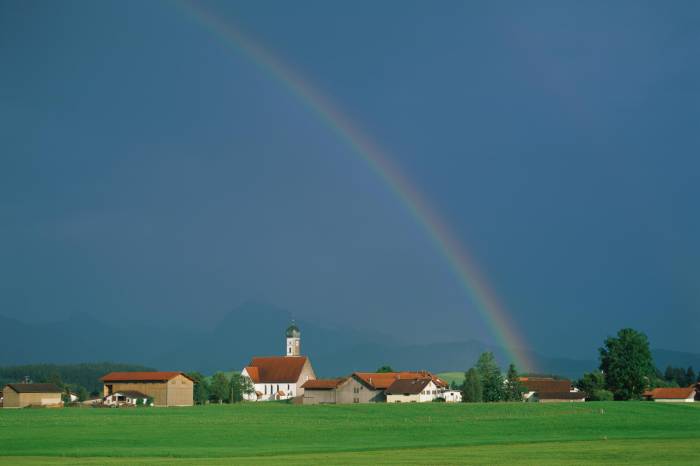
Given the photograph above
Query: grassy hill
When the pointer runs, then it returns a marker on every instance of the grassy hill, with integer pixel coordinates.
(456, 377)
(431, 433)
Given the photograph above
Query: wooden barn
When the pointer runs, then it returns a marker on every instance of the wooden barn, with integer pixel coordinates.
(166, 388)
(20, 395)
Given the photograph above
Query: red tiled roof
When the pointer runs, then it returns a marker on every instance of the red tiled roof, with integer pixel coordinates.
(545, 385)
(286, 369)
(253, 373)
(141, 376)
(383, 380)
(672, 393)
(322, 384)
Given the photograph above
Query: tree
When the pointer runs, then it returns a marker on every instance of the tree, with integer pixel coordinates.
(384, 369)
(513, 389)
(690, 376)
(593, 385)
(472, 390)
(240, 386)
(491, 378)
(219, 390)
(201, 387)
(82, 393)
(627, 364)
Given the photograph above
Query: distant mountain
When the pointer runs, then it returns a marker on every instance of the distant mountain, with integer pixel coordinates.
(257, 329)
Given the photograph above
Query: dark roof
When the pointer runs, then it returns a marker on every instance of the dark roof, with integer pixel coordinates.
(545, 385)
(322, 384)
(407, 386)
(131, 393)
(34, 388)
(561, 395)
(141, 376)
(286, 369)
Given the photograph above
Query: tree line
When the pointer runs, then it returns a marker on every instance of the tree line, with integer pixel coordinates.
(82, 379)
(626, 369)
(220, 388)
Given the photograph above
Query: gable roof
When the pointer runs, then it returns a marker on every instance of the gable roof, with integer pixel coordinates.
(142, 376)
(323, 384)
(545, 385)
(671, 393)
(34, 388)
(407, 386)
(383, 380)
(253, 373)
(271, 369)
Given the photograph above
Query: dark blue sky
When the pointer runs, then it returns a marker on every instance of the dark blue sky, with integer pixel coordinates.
(148, 169)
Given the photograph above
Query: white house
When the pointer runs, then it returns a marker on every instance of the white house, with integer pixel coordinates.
(280, 377)
(412, 391)
(126, 397)
(451, 396)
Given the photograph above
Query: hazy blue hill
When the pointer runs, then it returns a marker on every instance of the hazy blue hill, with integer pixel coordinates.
(257, 329)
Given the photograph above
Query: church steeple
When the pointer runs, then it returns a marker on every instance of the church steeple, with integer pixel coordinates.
(293, 340)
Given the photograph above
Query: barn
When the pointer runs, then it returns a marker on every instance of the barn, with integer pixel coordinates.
(165, 388)
(20, 395)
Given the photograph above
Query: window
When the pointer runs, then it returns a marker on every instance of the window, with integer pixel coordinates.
(355, 400)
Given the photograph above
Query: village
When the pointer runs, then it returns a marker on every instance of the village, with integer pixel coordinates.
(291, 378)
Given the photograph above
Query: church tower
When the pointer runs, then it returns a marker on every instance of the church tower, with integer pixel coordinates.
(293, 340)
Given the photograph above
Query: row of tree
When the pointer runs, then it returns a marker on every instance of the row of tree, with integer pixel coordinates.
(485, 382)
(220, 388)
(627, 369)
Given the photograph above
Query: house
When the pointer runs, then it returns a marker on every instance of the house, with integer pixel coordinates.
(370, 387)
(125, 398)
(411, 391)
(280, 377)
(20, 395)
(451, 396)
(166, 388)
(550, 390)
(674, 395)
(321, 391)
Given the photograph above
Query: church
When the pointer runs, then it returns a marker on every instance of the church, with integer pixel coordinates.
(280, 377)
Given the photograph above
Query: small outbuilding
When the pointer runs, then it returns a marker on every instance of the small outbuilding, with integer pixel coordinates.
(20, 395)
(321, 391)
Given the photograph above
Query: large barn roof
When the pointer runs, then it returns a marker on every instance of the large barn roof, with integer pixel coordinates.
(323, 384)
(34, 388)
(273, 369)
(673, 393)
(545, 385)
(141, 376)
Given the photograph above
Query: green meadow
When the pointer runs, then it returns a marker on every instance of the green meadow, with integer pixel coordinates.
(431, 433)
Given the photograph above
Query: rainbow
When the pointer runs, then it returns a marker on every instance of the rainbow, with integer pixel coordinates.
(441, 236)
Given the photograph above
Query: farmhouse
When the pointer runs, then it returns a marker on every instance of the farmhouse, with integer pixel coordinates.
(371, 387)
(550, 390)
(20, 395)
(411, 391)
(280, 377)
(166, 388)
(674, 395)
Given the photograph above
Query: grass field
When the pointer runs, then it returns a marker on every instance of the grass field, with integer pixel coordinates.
(431, 433)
